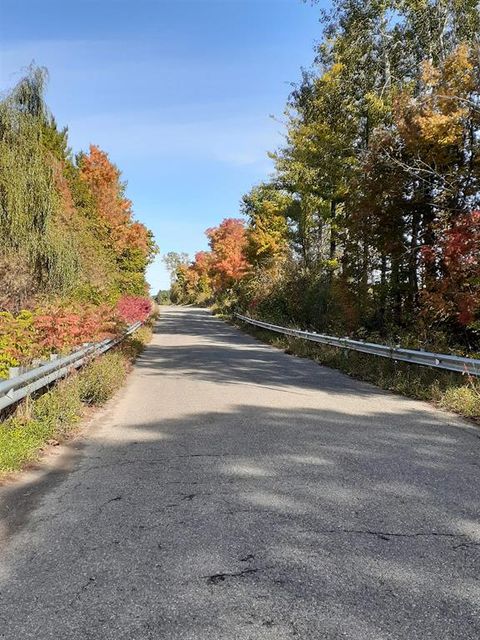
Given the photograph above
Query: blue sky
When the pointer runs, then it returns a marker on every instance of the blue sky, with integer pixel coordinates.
(179, 92)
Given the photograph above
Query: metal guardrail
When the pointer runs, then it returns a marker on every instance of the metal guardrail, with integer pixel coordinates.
(18, 387)
(459, 364)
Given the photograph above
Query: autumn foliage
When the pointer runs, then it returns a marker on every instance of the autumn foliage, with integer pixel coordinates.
(456, 293)
(18, 340)
(68, 229)
(131, 309)
(72, 255)
(370, 224)
(216, 272)
(114, 209)
(59, 328)
(227, 259)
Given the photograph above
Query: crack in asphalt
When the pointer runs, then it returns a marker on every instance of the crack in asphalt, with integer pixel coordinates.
(154, 461)
(466, 545)
(386, 535)
(217, 578)
(247, 558)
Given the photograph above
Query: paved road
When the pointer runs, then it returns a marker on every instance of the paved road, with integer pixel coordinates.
(232, 492)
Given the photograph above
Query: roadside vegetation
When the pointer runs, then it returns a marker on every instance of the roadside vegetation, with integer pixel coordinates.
(53, 416)
(72, 255)
(370, 225)
(72, 268)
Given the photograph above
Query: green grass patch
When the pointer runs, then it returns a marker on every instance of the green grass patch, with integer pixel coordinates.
(50, 417)
(102, 378)
(464, 400)
(133, 346)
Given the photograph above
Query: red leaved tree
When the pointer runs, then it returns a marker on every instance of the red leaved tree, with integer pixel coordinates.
(456, 295)
(227, 259)
(114, 209)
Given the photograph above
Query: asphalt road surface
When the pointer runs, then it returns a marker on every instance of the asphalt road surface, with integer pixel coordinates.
(233, 492)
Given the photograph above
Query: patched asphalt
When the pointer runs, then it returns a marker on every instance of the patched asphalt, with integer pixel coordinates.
(233, 492)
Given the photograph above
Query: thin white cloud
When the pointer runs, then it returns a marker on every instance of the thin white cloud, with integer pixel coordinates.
(234, 140)
(86, 73)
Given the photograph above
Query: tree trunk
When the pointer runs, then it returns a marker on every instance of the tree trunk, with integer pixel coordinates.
(412, 296)
(333, 233)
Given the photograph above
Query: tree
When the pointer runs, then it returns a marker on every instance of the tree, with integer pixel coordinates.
(35, 256)
(130, 241)
(227, 262)
(266, 208)
(455, 297)
(214, 273)
(173, 261)
(67, 228)
(369, 224)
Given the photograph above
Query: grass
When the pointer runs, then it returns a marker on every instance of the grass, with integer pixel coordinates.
(448, 390)
(102, 378)
(54, 415)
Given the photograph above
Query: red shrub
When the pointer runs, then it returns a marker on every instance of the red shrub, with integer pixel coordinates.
(60, 328)
(131, 309)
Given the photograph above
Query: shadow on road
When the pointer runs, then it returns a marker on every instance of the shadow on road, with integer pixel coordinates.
(222, 354)
(269, 524)
(256, 522)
